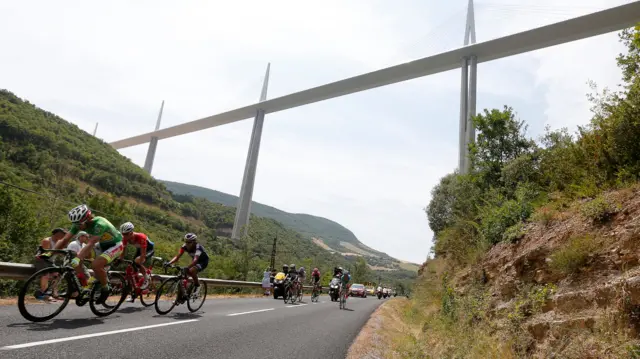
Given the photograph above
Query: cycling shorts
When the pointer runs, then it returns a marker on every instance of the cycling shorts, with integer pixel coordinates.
(110, 253)
(148, 255)
(202, 265)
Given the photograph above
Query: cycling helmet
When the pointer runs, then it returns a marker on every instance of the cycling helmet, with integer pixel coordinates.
(285, 267)
(190, 237)
(292, 267)
(79, 214)
(315, 270)
(126, 228)
(301, 269)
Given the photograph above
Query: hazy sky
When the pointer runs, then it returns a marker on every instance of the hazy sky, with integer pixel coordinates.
(367, 161)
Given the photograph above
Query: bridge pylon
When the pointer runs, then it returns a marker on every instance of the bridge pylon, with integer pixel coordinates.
(243, 210)
(153, 144)
(468, 85)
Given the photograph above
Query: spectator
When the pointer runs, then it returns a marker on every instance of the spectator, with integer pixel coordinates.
(48, 243)
(266, 282)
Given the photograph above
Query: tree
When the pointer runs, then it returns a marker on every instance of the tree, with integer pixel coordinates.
(501, 139)
(361, 271)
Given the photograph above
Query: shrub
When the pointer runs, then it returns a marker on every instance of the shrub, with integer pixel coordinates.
(545, 215)
(570, 258)
(600, 210)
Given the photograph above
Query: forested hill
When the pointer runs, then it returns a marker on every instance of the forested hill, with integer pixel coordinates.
(48, 165)
(326, 233)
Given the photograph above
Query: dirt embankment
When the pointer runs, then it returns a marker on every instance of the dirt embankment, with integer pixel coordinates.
(568, 288)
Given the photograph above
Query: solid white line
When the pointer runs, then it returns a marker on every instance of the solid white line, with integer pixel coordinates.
(253, 311)
(51, 341)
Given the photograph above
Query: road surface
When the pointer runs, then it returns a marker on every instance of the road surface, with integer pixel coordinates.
(223, 328)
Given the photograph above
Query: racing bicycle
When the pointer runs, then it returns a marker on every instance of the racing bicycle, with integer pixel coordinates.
(177, 290)
(135, 280)
(64, 281)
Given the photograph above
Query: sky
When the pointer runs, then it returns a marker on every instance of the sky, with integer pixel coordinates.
(367, 161)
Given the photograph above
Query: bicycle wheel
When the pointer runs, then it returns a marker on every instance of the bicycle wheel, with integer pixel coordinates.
(148, 299)
(63, 278)
(118, 290)
(203, 295)
(344, 300)
(169, 289)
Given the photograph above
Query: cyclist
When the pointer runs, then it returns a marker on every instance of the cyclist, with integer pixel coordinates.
(144, 249)
(315, 278)
(200, 259)
(302, 274)
(100, 232)
(292, 275)
(346, 278)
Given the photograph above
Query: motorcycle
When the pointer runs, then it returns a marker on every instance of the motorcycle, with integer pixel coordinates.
(334, 287)
(379, 294)
(278, 285)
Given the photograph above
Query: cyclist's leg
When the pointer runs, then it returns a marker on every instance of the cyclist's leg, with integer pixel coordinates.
(194, 274)
(107, 256)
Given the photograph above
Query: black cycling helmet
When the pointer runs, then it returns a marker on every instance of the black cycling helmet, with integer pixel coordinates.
(285, 267)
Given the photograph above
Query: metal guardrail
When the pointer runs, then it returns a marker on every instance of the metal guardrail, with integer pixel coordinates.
(24, 271)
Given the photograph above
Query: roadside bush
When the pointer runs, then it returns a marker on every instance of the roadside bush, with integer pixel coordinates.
(573, 256)
(600, 209)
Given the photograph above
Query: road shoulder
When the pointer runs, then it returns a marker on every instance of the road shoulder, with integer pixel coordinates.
(385, 334)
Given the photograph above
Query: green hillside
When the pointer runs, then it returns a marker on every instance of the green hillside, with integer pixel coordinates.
(48, 165)
(332, 234)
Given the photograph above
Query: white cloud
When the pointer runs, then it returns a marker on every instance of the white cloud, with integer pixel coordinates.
(367, 161)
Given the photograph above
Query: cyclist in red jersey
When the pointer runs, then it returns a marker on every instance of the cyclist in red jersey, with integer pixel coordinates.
(144, 249)
(315, 278)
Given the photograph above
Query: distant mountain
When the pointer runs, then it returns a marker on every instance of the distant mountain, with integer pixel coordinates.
(323, 232)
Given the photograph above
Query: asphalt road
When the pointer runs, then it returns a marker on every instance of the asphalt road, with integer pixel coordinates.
(223, 328)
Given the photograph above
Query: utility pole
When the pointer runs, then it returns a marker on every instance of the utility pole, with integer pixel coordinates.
(273, 253)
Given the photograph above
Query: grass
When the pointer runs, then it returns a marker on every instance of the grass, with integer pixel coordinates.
(574, 255)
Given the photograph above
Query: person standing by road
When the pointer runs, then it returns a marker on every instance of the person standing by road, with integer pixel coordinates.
(266, 282)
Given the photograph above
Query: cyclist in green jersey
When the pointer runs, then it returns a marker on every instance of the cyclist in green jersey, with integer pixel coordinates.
(102, 233)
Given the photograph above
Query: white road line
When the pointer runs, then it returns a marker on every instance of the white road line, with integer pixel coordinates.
(253, 311)
(51, 341)
(296, 305)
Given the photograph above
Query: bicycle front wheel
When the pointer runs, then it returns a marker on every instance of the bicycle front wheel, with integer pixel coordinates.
(55, 280)
(167, 295)
(200, 299)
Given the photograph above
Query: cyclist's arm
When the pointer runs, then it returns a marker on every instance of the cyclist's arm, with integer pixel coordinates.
(194, 261)
(124, 246)
(143, 248)
(89, 247)
(177, 257)
(196, 256)
(62, 243)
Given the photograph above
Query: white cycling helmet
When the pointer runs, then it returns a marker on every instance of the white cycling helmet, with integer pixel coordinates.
(126, 227)
(79, 213)
(190, 237)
